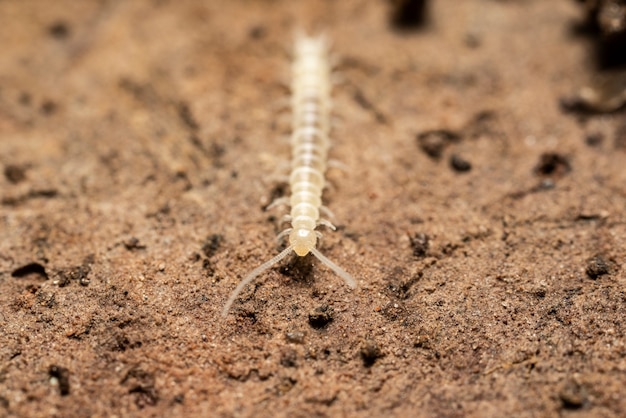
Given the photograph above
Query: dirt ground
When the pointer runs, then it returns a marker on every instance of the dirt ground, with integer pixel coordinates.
(481, 213)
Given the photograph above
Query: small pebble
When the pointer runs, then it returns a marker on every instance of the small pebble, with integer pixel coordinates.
(295, 337)
(597, 267)
(572, 395)
(459, 164)
(321, 316)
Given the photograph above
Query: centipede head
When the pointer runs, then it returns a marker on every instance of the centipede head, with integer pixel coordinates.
(302, 240)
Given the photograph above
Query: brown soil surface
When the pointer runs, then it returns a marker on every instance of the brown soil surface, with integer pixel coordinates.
(140, 142)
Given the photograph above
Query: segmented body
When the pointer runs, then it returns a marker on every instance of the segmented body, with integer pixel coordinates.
(311, 110)
(311, 104)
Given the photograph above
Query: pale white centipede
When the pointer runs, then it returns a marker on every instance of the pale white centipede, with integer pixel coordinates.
(311, 108)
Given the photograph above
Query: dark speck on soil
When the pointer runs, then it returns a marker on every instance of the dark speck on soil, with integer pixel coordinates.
(419, 244)
(423, 340)
(14, 173)
(553, 165)
(48, 107)
(408, 14)
(321, 316)
(594, 139)
(433, 143)
(257, 32)
(370, 352)
(460, 164)
(59, 30)
(597, 267)
(212, 244)
(63, 378)
(32, 194)
(134, 244)
(34, 269)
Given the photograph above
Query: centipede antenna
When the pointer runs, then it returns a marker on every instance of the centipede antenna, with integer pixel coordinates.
(248, 279)
(334, 267)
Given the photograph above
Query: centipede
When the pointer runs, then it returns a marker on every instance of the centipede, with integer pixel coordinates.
(311, 108)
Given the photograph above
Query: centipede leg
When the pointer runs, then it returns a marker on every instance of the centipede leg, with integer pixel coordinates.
(281, 201)
(283, 234)
(326, 223)
(328, 213)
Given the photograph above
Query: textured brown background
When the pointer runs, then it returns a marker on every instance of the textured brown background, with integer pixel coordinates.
(141, 140)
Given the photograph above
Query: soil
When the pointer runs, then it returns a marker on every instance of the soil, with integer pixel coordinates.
(481, 213)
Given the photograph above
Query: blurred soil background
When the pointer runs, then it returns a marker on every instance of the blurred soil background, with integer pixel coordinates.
(482, 211)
